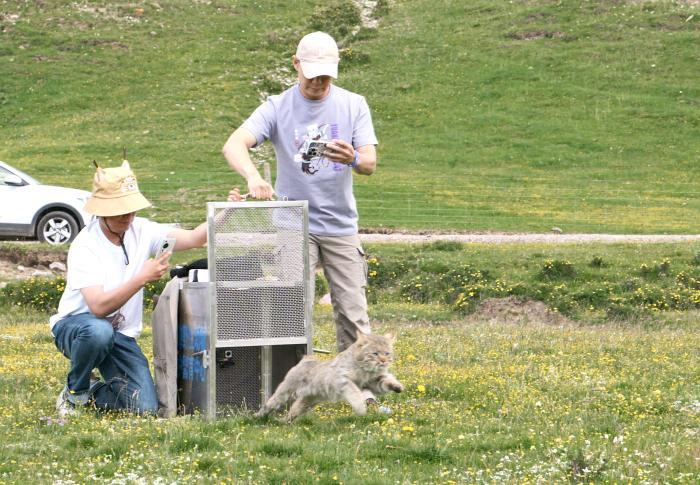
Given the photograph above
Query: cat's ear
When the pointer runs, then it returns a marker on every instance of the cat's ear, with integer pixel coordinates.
(390, 337)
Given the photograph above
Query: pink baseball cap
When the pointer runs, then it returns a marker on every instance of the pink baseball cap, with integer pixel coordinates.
(318, 55)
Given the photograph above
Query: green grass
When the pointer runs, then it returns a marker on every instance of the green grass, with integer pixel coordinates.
(478, 129)
(483, 403)
(591, 400)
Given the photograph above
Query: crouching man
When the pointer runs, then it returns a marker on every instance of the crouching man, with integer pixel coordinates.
(100, 313)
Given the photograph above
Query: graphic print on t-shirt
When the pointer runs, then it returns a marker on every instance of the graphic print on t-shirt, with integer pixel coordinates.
(312, 144)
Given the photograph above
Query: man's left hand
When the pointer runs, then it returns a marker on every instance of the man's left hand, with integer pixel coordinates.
(340, 151)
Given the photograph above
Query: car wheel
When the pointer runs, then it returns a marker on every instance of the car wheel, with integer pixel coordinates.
(57, 228)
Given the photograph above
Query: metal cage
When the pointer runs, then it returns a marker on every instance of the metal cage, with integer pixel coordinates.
(259, 299)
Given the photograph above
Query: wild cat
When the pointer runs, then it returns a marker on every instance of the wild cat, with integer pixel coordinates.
(363, 365)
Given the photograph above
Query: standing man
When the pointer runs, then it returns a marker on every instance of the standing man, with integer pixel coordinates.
(322, 134)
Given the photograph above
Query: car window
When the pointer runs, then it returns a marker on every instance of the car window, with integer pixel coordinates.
(4, 173)
(20, 174)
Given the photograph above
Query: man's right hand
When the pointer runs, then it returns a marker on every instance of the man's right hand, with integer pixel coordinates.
(154, 269)
(259, 189)
(102, 303)
(236, 153)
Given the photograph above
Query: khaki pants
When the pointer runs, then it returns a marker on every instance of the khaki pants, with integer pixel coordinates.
(345, 268)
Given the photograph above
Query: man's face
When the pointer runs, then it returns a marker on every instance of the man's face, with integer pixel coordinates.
(120, 224)
(314, 88)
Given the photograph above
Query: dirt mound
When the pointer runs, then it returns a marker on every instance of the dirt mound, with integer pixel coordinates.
(516, 310)
(32, 257)
(536, 35)
(17, 264)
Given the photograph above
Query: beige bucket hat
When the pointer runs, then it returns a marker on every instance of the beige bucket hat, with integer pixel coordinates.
(115, 192)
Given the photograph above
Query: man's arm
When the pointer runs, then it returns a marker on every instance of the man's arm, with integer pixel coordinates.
(343, 152)
(236, 153)
(197, 237)
(189, 238)
(102, 303)
(367, 163)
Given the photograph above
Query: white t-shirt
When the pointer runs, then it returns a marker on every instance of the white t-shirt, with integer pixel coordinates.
(93, 260)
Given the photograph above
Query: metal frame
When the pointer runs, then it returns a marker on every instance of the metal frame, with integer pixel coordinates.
(266, 344)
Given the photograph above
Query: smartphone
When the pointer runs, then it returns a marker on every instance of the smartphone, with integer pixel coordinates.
(316, 148)
(167, 245)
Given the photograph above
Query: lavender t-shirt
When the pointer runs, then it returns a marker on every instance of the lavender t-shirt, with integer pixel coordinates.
(291, 121)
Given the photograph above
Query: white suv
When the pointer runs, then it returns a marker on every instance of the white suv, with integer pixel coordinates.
(45, 212)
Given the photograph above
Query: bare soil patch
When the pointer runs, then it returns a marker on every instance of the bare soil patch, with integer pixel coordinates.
(16, 264)
(516, 310)
(536, 35)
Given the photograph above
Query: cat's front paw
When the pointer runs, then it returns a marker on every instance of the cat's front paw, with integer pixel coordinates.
(396, 386)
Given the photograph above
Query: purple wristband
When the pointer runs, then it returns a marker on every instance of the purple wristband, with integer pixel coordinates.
(356, 159)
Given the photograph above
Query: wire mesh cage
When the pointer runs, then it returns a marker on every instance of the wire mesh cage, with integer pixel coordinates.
(260, 310)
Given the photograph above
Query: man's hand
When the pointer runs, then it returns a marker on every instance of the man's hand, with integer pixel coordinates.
(343, 152)
(236, 153)
(258, 188)
(102, 303)
(154, 269)
(234, 195)
(340, 151)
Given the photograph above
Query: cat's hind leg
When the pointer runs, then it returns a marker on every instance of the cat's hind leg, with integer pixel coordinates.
(278, 400)
(299, 407)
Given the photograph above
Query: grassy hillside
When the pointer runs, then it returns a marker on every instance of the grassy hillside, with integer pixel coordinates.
(491, 115)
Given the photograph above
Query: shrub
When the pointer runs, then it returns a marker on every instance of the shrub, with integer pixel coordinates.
(419, 289)
(556, 269)
(447, 246)
(337, 18)
(696, 259)
(381, 274)
(656, 269)
(592, 295)
(351, 55)
(688, 280)
(153, 288)
(435, 280)
(456, 286)
(631, 284)
(464, 279)
(40, 293)
(598, 262)
(45, 293)
(320, 287)
(381, 9)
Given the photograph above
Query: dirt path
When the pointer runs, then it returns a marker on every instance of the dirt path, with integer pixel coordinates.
(549, 238)
(20, 265)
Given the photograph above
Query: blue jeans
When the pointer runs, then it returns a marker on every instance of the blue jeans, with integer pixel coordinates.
(91, 342)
